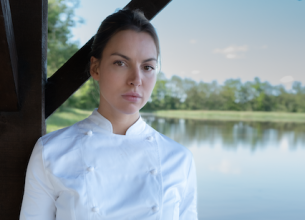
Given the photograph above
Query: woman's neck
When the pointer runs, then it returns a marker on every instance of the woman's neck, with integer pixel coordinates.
(120, 121)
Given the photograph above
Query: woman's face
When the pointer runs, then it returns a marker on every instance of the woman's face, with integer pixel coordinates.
(127, 71)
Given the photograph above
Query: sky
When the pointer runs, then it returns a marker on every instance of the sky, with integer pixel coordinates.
(209, 40)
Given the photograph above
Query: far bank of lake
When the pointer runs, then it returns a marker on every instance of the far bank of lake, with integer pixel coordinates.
(231, 115)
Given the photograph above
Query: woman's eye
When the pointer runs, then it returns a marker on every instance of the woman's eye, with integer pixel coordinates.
(148, 68)
(119, 63)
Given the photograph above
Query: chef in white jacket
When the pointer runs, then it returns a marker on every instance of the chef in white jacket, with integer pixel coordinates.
(113, 165)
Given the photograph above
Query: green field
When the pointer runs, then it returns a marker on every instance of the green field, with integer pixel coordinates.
(65, 118)
(69, 116)
(233, 115)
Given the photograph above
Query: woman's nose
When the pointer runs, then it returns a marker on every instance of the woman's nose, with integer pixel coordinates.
(135, 77)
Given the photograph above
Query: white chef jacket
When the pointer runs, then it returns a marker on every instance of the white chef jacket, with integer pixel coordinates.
(85, 171)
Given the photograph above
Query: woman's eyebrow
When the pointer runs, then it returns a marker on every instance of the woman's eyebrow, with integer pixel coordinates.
(150, 59)
(121, 55)
(127, 58)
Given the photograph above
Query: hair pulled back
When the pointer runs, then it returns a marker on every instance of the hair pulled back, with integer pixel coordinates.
(122, 20)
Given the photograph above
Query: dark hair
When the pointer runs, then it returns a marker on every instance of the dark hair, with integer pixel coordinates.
(122, 20)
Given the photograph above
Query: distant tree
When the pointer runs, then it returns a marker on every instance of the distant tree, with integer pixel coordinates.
(244, 94)
(299, 95)
(229, 93)
(61, 19)
(160, 91)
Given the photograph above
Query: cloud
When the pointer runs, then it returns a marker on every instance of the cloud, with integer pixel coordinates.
(232, 52)
(287, 82)
(226, 167)
(287, 79)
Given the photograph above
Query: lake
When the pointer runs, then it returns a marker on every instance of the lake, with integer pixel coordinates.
(245, 170)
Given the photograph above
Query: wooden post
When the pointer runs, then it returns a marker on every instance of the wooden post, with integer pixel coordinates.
(20, 130)
(8, 60)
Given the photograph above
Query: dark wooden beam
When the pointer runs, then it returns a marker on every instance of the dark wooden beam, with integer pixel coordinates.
(150, 7)
(20, 130)
(71, 76)
(8, 61)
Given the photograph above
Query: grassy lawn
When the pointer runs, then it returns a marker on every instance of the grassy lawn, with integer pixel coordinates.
(233, 115)
(65, 118)
(69, 116)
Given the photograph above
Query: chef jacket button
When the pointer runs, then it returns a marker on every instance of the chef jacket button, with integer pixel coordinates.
(155, 208)
(149, 138)
(153, 172)
(95, 209)
(89, 133)
(90, 169)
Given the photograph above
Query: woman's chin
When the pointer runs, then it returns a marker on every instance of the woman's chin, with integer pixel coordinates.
(130, 110)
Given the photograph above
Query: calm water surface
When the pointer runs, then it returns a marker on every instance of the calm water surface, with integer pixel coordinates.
(245, 171)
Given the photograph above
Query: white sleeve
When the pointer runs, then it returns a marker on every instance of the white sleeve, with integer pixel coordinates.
(39, 198)
(188, 205)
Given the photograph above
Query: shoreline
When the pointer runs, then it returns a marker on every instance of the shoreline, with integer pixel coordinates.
(230, 115)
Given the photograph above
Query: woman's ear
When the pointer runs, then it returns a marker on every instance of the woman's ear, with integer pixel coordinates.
(94, 64)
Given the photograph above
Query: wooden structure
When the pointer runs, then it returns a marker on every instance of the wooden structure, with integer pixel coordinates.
(27, 98)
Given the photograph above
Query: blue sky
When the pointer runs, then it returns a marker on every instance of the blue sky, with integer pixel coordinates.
(220, 39)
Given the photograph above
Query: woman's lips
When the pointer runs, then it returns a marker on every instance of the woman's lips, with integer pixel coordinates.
(132, 96)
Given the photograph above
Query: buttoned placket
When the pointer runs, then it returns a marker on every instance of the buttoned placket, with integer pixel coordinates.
(153, 172)
(91, 169)
(137, 127)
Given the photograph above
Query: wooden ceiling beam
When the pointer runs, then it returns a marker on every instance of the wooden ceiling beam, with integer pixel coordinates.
(8, 61)
(72, 75)
(150, 7)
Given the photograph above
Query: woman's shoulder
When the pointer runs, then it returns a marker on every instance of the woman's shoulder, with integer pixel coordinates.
(65, 138)
(60, 134)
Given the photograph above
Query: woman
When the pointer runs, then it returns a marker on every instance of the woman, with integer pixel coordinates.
(113, 165)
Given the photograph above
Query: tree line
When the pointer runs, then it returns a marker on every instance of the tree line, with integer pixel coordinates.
(232, 95)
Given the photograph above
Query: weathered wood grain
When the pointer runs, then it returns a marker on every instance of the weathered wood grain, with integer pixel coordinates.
(8, 61)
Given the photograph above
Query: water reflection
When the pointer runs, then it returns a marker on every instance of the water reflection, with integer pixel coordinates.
(230, 134)
(245, 170)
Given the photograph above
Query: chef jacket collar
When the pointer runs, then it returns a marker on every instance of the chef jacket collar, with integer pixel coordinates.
(106, 125)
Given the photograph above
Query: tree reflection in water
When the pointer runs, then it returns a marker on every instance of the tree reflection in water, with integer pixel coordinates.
(230, 134)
